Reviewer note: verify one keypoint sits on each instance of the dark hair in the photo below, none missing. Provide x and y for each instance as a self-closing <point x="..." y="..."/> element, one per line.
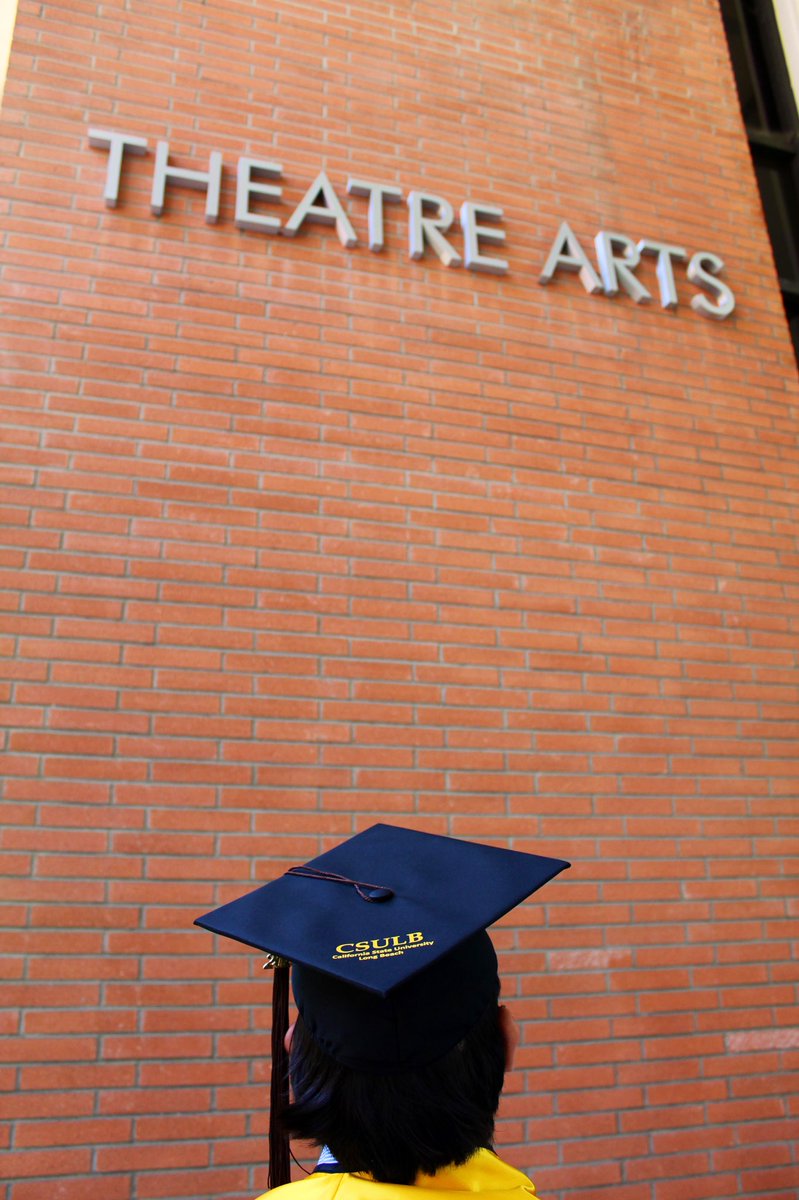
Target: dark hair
<point x="394" y="1126"/>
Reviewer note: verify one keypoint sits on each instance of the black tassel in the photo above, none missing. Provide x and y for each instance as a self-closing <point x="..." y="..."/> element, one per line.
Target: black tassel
<point x="279" y="1161"/>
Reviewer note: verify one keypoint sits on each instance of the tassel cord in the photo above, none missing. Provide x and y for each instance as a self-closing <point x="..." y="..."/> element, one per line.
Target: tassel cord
<point x="279" y="1149"/>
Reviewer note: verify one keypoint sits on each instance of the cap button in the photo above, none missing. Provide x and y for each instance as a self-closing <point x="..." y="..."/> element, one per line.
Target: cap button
<point x="377" y="894"/>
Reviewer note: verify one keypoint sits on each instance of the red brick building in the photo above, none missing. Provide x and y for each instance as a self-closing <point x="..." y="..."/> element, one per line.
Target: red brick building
<point x="298" y="535"/>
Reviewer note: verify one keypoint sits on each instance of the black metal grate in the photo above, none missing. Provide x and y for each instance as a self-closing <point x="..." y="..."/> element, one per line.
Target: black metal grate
<point x="772" y="125"/>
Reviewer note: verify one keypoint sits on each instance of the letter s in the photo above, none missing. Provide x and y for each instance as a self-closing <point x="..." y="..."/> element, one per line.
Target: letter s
<point x="702" y="270"/>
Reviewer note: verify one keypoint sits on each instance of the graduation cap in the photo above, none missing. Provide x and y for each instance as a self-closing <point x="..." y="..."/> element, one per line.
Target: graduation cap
<point x="392" y="965"/>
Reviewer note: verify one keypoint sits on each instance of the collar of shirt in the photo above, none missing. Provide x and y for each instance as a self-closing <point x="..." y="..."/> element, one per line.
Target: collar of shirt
<point x="328" y="1163"/>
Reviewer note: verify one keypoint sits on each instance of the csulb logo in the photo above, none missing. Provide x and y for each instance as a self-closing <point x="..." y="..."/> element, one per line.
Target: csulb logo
<point x="385" y="947"/>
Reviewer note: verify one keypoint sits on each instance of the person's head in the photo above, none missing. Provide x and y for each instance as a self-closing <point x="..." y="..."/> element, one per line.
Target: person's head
<point x="400" y="1054"/>
<point x="407" y="1099"/>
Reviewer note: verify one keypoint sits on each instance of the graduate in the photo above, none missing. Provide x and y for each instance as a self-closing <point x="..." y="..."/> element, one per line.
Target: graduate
<point x="397" y="1057"/>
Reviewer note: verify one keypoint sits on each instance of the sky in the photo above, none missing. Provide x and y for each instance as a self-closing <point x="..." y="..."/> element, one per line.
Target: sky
<point x="8" y="10"/>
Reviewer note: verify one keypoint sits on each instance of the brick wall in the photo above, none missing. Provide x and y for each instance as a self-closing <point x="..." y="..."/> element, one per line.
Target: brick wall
<point x="296" y="536"/>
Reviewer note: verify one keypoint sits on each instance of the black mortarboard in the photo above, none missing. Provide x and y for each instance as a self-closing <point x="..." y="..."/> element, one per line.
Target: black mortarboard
<point x="386" y="933"/>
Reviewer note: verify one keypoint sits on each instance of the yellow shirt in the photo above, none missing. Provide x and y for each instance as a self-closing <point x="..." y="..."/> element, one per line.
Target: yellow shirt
<point x="484" y="1173"/>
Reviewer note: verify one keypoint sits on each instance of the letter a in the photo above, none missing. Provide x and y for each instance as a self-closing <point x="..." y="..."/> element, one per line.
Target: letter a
<point x="329" y="213"/>
<point x="567" y="253"/>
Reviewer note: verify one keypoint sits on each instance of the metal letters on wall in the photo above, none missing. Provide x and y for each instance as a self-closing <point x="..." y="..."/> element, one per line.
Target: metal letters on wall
<point x="430" y="219"/>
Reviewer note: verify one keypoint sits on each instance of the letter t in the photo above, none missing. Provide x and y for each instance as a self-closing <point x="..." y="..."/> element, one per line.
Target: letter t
<point x="117" y="144"/>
